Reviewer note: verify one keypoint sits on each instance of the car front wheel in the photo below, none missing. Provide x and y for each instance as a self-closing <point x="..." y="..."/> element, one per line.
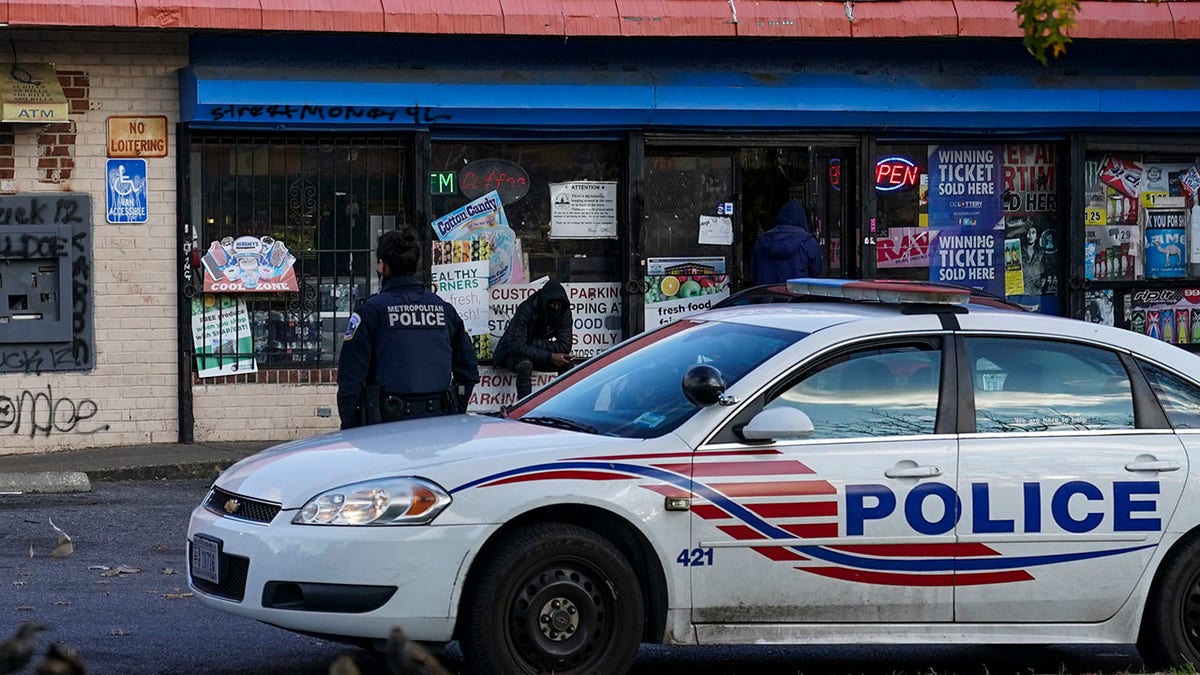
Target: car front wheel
<point x="1170" y="634"/>
<point x="553" y="598"/>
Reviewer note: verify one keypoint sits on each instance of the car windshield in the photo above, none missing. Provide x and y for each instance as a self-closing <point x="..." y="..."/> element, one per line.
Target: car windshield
<point x="636" y="390"/>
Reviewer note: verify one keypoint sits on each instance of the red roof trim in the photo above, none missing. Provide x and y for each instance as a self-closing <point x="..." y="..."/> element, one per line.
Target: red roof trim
<point x="1186" y="19"/>
<point x="199" y="14"/>
<point x="341" y="16"/>
<point x="466" y="17"/>
<point x="786" y="18"/>
<point x="633" y="18"/>
<point x="987" y="18"/>
<point x="100" y="13"/>
<point x="670" y="18"/>
<point x="1141" y="21"/>
<point x="912" y="18"/>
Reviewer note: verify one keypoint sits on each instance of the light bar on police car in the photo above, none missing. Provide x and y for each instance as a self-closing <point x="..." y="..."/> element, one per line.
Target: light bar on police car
<point x="880" y="291"/>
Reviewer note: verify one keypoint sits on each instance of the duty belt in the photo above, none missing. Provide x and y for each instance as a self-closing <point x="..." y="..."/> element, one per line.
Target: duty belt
<point x="399" y="406"/>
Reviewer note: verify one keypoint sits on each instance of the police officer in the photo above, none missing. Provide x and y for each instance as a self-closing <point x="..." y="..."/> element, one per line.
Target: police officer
<point x="406" y="353"/>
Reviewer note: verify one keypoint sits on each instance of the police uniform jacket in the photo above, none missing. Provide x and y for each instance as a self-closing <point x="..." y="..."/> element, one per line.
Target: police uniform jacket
<point x="408" y="341"/>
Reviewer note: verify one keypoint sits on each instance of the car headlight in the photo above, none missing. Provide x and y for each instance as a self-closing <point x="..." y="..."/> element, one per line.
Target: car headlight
<point x="387" y="501"/>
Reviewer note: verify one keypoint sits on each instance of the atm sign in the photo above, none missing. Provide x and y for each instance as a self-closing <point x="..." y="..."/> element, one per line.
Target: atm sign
<point x="896" y="173"/>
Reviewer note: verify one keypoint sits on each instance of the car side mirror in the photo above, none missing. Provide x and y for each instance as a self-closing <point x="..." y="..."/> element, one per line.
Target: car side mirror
<point x="703" y="385"/>
<point x="775" y="423"/>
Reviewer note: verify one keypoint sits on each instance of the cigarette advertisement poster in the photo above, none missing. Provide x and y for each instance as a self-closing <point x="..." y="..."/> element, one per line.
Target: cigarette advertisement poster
<point x="483" y="218"/>
<point x="1166" y="243"/>
<point x="677" y="287"/>
<point x="221" y="336"/>
<point x="904" y="247"/>
<point x="583" y="209"/>
<point x="248" y="265"/>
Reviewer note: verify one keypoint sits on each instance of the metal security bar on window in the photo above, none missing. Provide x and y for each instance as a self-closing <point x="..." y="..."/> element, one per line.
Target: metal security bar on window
<point x="322" y="200"/>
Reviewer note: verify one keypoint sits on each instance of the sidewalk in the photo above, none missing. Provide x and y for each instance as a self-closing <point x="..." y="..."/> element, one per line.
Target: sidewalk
<point x="73" y="470"/>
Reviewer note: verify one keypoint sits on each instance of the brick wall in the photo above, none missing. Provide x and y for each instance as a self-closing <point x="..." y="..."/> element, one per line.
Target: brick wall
<point x="131" y="396"/>
<point x="263" y="412"/>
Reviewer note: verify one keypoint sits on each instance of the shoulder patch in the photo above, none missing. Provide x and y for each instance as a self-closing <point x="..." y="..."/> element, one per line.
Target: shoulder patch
<point x="355" y="319"/>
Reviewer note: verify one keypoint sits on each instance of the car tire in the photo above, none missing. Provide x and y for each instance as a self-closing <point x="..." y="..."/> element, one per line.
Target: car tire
<point x="553" y="598"/>
<point x="1170" y="633"/>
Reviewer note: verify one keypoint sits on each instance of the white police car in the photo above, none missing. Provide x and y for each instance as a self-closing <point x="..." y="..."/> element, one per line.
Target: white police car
<point x="890" y="465"/>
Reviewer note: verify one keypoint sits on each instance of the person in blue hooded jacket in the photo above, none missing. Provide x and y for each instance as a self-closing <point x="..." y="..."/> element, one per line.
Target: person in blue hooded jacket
<point x="788" y="250"/>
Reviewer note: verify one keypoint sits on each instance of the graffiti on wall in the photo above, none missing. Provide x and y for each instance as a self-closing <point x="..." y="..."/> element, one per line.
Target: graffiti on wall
<point x="41" y="412"/>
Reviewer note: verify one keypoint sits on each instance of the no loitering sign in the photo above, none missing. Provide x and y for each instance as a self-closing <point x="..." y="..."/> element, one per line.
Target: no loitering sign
<point x="132" y="136"/>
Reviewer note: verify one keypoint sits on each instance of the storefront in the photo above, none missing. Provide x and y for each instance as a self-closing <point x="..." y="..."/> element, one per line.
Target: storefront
<point x="641" y="181"/>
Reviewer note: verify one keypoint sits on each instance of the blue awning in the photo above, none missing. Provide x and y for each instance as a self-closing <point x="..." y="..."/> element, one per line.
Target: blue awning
<point x="576" y="99"/>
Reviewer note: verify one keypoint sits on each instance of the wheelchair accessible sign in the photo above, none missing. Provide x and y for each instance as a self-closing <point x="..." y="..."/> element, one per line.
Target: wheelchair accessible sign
<point x="126" y="191"/>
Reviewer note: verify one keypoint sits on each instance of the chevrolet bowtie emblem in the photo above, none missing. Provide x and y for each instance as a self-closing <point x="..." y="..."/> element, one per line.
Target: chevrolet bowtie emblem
<point x="232" y="505"/>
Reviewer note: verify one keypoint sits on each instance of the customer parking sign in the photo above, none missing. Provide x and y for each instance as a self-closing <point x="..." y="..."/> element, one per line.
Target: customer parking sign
<point x="126" y="191"/>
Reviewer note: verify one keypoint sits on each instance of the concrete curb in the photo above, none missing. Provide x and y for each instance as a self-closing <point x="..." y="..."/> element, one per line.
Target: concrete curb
<point x="206" y="470"/>
<point x="44" y="482"/>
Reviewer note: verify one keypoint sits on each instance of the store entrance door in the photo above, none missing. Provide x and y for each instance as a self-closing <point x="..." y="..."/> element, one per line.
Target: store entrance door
<point x="689" y="250"/>
<point x="704" y="207"/>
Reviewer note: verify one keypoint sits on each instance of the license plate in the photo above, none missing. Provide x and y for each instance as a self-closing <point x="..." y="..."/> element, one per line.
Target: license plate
<point x="206" y="557"/>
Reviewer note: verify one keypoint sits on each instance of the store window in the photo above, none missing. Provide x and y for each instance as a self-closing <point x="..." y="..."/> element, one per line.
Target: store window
<point x="981" y="215"/>
<point x="506" y="217"/>
<point x="285" y="232"/>
<point x="1140" y="210"/>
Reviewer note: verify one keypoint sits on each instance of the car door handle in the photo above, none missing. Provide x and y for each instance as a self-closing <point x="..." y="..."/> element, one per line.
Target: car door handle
<point x="913" y="472"/>
<point x="1153" y="465"/>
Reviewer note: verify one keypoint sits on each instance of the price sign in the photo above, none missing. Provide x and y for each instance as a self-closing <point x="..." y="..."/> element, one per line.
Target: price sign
<point x="1151" y="198"/>
<point x="1095" y="216"/>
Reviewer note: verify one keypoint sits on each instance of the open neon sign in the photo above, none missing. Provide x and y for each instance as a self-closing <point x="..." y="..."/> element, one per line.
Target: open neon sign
<point x="896" y="173"/>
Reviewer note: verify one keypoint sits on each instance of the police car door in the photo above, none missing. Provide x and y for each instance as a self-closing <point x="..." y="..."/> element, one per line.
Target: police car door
<point x="851" y="524"/>
<point x="1064" y="490"/>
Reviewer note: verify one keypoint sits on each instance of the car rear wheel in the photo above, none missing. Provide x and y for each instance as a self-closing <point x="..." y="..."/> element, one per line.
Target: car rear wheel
<point x="553" y="598"/>
<point x="1170" y="635"/>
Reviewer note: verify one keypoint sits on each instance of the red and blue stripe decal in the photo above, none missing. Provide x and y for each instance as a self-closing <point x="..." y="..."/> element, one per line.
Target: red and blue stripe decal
<point x="724" y="478"/>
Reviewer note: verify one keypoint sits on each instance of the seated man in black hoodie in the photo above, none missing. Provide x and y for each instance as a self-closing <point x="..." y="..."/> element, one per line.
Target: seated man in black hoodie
<point x="538" y="337"/>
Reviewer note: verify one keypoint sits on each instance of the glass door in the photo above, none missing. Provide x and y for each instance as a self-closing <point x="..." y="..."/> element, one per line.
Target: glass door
<point x="689" y="216"/>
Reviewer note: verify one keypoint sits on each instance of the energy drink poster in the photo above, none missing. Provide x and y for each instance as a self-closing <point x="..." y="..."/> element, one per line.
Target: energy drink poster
<point x="1171" y="314"/>
<point x="677" y="287"/>
<point x="221" y="336"/>
<point x="248" y="265"/>
<point x="966" y="208"/>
